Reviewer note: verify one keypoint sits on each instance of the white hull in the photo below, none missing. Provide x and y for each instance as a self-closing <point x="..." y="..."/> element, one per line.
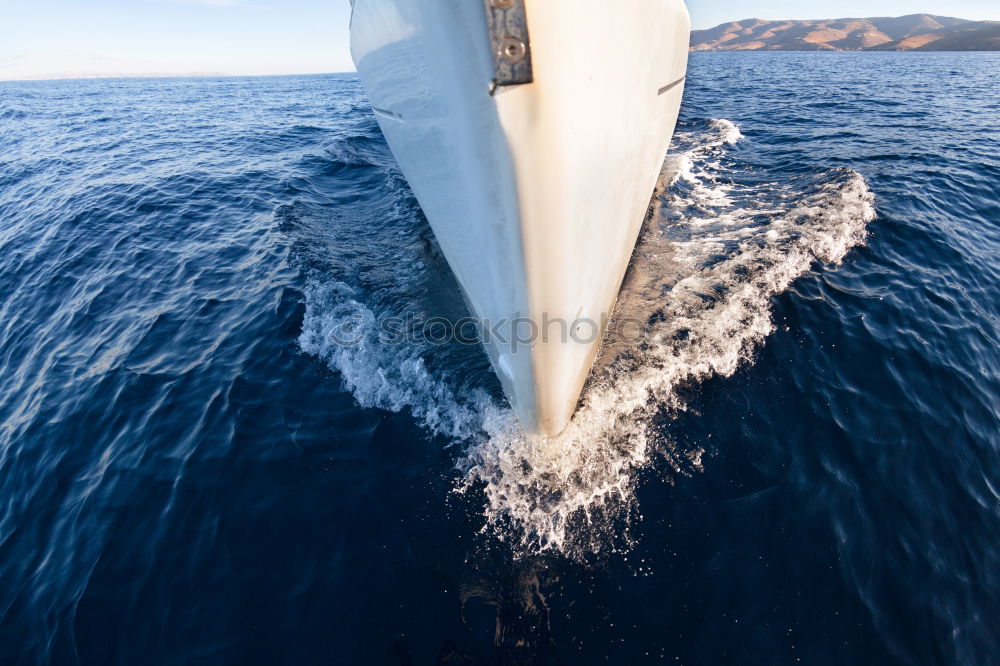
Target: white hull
<point x="535" y="193"/>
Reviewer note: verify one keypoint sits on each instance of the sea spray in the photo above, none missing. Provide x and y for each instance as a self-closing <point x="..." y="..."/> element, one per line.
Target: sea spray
<point x="712" y="256"/>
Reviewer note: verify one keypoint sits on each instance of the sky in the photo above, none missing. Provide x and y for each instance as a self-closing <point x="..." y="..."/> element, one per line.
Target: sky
<point x="67" y="38"/>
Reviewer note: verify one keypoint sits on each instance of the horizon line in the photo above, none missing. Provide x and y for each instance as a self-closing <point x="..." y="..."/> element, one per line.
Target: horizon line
<point x="220" y="75"/>
<point x="156" y="75"/>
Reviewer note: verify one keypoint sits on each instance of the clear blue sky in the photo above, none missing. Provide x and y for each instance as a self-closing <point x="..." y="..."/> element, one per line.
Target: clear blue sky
<point x="78" y="37"/>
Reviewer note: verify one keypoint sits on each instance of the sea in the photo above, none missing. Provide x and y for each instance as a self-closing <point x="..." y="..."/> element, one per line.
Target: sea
<point x="796" y="460"/>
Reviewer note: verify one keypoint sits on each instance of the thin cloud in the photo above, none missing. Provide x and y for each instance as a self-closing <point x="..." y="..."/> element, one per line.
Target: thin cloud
<point x="10" y="61"/>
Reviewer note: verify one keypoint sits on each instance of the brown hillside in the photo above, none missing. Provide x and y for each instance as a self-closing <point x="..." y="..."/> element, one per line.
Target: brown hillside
<point x="922" y="32"/>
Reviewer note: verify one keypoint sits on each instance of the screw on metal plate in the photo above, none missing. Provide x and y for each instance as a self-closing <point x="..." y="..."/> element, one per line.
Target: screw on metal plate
<point x="507" y="23"/>
<point x="513" y="50"/>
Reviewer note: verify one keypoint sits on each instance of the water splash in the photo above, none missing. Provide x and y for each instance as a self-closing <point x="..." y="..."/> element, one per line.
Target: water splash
<point x="390" y="377"/>
<point x="713" y="255"/>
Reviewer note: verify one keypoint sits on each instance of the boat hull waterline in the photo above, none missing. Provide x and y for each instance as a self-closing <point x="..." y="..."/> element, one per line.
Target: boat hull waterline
<point x="536" y="192"/>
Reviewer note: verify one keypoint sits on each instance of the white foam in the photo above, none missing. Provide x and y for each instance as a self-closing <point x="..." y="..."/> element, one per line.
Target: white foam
<point x="344" y="333"/>
<point x="710" y="263"/>
<point x="729" y="133"/>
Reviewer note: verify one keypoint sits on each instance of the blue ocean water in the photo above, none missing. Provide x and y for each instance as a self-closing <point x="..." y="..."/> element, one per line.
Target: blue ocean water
<point x="799" y="461"/>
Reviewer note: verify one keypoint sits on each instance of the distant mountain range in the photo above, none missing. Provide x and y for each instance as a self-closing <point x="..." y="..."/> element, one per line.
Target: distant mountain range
<point x="917" y="32"/>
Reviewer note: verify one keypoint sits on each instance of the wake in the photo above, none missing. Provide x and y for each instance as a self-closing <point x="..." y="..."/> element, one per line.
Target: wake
<point x="712" y="256"/>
